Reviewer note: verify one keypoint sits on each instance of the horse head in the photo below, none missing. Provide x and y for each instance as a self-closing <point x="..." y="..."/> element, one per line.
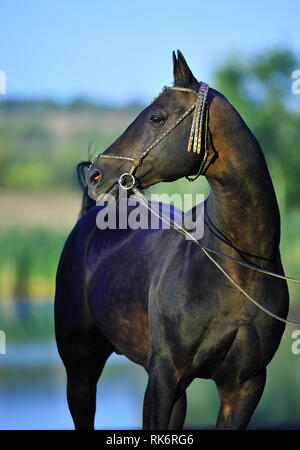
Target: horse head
<point x="153" y="147"/>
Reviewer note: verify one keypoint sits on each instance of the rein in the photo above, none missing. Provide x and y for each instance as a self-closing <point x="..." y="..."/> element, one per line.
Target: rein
<point x="207" y="252"/>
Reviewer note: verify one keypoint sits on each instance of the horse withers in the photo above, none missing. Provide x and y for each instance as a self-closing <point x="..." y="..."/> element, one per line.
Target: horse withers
<point x="152" y="295"/>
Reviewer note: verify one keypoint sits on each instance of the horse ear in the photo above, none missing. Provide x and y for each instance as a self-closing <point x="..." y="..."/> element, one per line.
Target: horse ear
<point x="183" y="76"/>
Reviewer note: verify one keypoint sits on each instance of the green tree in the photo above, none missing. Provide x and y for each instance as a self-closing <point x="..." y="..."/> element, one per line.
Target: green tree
<point x="259" y="87"/>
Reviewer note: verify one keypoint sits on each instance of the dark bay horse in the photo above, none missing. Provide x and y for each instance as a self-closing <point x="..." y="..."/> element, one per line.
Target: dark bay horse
<point x="153" y="296"/>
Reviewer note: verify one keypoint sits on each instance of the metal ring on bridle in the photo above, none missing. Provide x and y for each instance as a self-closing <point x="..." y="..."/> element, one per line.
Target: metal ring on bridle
<point x="126" y="187"/>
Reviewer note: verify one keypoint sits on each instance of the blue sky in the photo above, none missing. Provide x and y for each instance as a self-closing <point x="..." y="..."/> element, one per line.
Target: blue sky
<point x="121" y="50"/>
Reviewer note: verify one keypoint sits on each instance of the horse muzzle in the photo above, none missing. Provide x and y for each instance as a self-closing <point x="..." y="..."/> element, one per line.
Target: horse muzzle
<point x="95" y="183"/>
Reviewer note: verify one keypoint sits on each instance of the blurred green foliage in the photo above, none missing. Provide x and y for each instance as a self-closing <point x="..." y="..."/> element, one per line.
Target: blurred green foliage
<point x="260" y="89"/>
<point x="41" y="143"/>
<point x="28" y="260"/>
<point x="40" y="246"/>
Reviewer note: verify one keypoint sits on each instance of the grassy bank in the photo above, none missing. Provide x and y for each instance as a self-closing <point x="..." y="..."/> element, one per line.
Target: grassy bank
<point x="28" y="261"/>
<point x="30" y="253"/>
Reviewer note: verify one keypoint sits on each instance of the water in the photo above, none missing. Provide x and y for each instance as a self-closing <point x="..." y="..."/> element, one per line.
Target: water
<point x="33" y="383"/>
<point x="33" y="397"/>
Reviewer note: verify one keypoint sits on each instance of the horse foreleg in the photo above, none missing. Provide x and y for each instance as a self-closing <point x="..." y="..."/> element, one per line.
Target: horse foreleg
<point x="239" y="402"/>
<point x="178" y="413"/>
<point x="160" y="394"/>
<point x="84" y="359"/>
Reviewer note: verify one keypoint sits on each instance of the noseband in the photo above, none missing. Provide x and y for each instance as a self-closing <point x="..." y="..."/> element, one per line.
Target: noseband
<point x="200" y="119"/>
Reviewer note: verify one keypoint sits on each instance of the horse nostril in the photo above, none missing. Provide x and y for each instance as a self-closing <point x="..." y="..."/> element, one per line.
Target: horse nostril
<point x="94" y="176"/>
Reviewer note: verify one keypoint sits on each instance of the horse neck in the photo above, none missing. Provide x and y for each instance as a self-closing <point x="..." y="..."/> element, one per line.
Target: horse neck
<point x="242" y="205"/>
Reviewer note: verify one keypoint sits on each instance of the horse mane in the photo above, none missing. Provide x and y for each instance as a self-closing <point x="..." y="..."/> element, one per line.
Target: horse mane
<point x="87" y="203"/>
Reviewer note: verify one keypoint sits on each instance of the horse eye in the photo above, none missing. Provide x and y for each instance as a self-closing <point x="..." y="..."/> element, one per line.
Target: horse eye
<point x="157" y="119"/>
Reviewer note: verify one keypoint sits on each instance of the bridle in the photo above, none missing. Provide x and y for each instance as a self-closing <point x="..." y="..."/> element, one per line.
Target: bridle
<point x="200" y="121"/>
